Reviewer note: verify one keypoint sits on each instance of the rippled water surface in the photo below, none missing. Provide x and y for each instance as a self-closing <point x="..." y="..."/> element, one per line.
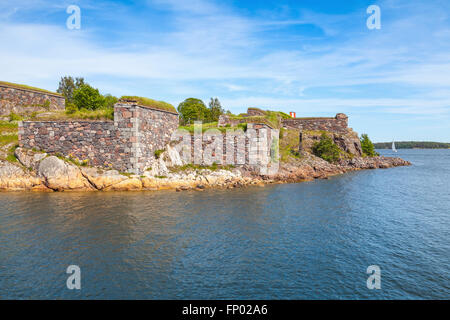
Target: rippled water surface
<point x="295" y="241"/>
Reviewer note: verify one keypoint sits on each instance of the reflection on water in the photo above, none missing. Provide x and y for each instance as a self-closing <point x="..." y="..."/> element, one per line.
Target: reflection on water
<point x="309" y="240"/>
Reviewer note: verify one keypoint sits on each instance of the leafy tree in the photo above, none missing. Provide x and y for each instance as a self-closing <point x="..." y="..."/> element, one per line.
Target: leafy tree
<point x="215" y="109"/>
<point x="367" y="146"/>
<point x="67" y="85"/>
<point x="87" y="97"/>
<point x="109" y="101"/>
<point x="326" y="149"/>
<point x="193" y="109"/>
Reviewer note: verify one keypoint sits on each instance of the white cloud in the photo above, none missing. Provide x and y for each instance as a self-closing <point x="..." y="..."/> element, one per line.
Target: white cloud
<point x="212" y="45"/>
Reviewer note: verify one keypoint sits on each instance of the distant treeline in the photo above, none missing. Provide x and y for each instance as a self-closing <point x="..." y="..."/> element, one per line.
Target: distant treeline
<point x="412" y="145"/>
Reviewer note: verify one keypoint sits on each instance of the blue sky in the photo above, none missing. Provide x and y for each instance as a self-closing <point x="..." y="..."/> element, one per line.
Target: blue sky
<point x="317" y="57"/>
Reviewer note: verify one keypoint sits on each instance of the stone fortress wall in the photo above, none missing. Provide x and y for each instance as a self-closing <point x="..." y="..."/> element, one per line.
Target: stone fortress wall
<point x="338" y="124"/>
<point x="26" y="101"/>
<point x="126" y="144"/>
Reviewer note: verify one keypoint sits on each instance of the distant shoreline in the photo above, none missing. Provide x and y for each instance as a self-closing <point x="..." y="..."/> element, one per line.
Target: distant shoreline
<point x="413" y="145"/>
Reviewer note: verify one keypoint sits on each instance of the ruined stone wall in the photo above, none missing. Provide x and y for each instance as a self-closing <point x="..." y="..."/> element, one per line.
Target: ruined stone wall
<point x="337" y="124"/>
<point x="25" y="101"/>
<point x="126" y="144"/>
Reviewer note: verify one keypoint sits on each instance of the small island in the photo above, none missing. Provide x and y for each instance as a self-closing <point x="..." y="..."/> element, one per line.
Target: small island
<point x="79" y="140"/>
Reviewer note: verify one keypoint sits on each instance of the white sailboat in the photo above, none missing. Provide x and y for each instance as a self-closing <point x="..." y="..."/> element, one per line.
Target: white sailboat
<point x="393" y="146"/>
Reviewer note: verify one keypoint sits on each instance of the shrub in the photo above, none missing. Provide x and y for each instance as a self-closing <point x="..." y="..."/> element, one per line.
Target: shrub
<point x="71" y="108"/>
<point x="14" y="117"/>
<point x="109" y="101"/>
<point x="46" y="105"/>
<point x="11" y="157"/>
<point x="367" y="146"/>
<point x="158" y="153"/>
<point x="88" y="97"/>
<point x="326" y="149"/>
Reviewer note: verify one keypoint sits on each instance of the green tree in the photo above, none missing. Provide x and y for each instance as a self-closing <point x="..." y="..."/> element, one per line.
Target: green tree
<point x="367" y="146"/>
<point x="193" y="109"/>
<point x="109" y="101"/>
<point x="326" y="149"/>
<point x="87" y="97"/>
<point x="215" y="110"/>
<point x="67" y="85"/>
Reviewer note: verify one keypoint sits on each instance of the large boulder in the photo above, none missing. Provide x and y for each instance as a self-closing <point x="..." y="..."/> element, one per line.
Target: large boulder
<point x="59" y="175"/>
<point x="13" y="177"/>
<point x="29" y="158"/>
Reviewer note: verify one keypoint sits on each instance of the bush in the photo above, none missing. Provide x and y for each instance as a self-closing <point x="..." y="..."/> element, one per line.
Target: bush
<point x="71" y="108"/>
<point x="88" y="97"/>
<point x="326" y="149"/>
<point x="14" y="117"/>
<point x="367" y="146"/>
<point x="158" y="153"/>
<point x="109" y="101"/>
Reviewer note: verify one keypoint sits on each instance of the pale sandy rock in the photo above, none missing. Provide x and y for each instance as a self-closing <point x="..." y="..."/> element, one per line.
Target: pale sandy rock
<point x="59" y="175"/>
<point x="126" y="185"/>
<point x="13" y="177"/>
<point x="102" y="179"/>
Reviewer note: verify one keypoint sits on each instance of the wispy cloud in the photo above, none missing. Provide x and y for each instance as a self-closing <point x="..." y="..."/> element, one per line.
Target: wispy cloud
<point x="213" y="49"/>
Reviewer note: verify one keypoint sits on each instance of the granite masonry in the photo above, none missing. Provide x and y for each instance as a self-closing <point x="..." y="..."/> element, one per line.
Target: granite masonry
<point x="338" y="124"/>
<point x="256" y="147"/>
<point x="26" y="101"/>
<point x="127" y="144"/>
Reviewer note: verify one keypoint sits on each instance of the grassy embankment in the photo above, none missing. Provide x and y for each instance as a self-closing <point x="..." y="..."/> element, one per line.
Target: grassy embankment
<point x="8" y="140"/>
<point x="26" y="87"/>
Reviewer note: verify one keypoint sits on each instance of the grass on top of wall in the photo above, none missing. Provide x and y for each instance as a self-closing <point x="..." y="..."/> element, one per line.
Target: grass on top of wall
<point x="83" y="114"/>
<point x="8" y="126"/>
<point x="7" y="139"/>
<point x="26" y="87"/>
<point x="213" y="125"/>
<point x="147" y="102"/>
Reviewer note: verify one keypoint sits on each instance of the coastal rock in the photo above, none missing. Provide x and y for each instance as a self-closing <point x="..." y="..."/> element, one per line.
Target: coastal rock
<point x="172" y="157"/>
<point x="158" y="168"/>
<point x="29" y="158"/>
<point x="373" y="163"/>
<point x="129" y="184"/>
<point x="59" y="175"/>
<point x="102" y="179"/>
<point x="13" y="177"/>
<point x="348" y="141"/>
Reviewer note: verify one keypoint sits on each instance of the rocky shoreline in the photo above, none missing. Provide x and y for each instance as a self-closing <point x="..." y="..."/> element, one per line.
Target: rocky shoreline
<point x="36" y="171"/>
